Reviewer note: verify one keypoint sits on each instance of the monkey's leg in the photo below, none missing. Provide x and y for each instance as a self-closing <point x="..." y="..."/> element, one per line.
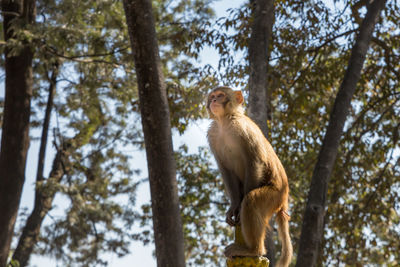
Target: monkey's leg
<point x="257" y="208"/>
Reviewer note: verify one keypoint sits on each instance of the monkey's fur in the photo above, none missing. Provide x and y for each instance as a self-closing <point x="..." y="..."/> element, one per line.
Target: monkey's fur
<point x="254" y="177"/>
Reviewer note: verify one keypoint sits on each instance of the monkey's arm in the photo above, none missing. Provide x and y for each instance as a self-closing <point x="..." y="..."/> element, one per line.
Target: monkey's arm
<point x="255" y="147"/>
<point x="234" y="190"/>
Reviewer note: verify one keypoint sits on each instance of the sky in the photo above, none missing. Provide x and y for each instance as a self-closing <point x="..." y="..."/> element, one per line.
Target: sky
<point x="194" y="137"/>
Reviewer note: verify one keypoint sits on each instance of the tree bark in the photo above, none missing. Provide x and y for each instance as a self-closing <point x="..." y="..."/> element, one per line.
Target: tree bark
<point x="261" y="30"/>
<point x="43" y="201"/>
<point x="312" y="228"/>
<point x="15" y="131"/>
<point x="154" y="109"/>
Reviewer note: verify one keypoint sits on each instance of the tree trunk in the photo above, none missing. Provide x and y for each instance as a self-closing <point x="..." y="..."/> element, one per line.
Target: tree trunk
<point x="312" y="229"/>
<point x="261" y="30"/>
<point x="43" y="201"/>
<point x="154" y="109"/>
<point x="15" y="131"/>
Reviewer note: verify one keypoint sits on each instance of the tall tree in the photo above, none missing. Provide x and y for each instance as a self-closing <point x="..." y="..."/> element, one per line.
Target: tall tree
<point x="43" y="200"/>
<point x="313" y="222"/>
<point x="18" y="15"/>
<point x="261" y="30"/>
<point x="157" y="133"/>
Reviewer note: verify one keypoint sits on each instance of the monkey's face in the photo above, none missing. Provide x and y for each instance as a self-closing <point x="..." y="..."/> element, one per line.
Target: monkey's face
<point x="216" y="102"/>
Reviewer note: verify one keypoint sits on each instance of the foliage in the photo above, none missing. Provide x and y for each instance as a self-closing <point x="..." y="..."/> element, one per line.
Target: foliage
<point x="96" y="110"/>
<point x="203" y="205"/>
<point x="308" y="54"/>
<point x="97" y="106"/>
<point x="203" y="208"/>
<point x="179" y="25"/>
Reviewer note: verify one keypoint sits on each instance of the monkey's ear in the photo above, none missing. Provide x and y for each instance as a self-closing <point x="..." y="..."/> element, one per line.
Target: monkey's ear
<point x="239" y="97"/>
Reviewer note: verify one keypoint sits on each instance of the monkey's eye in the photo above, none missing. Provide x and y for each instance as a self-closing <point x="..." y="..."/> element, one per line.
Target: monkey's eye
<point x="216" y="97"/>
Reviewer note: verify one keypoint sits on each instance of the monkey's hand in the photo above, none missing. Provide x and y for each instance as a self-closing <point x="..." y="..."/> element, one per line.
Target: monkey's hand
<point x="233" y="215"/>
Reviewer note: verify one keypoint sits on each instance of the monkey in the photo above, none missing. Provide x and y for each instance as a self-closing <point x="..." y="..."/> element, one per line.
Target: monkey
<point x="254" y="177"/>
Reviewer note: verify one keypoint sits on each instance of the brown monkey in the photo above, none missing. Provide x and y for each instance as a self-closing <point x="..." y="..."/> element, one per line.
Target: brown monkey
<point x="254" y="177"/>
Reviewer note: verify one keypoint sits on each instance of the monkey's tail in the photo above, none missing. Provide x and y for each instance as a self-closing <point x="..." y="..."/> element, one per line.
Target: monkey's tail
<point x="282" y="218"/>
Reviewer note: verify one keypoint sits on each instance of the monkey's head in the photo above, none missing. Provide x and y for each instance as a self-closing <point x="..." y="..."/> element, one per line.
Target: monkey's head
<point x="223" y="101"/>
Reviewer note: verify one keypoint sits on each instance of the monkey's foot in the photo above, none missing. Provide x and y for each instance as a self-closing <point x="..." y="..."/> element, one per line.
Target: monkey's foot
<point x="239" y="250"/>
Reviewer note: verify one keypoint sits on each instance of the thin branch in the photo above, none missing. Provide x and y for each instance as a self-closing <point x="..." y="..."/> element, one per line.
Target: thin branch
<point x="319" y="47"/>
<point x="387" y="52"/>
<point x="43" y="143"/>
<point x="316" y="49"/>
<point x="77" y="58"/>
<point x="117" y="50"/>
